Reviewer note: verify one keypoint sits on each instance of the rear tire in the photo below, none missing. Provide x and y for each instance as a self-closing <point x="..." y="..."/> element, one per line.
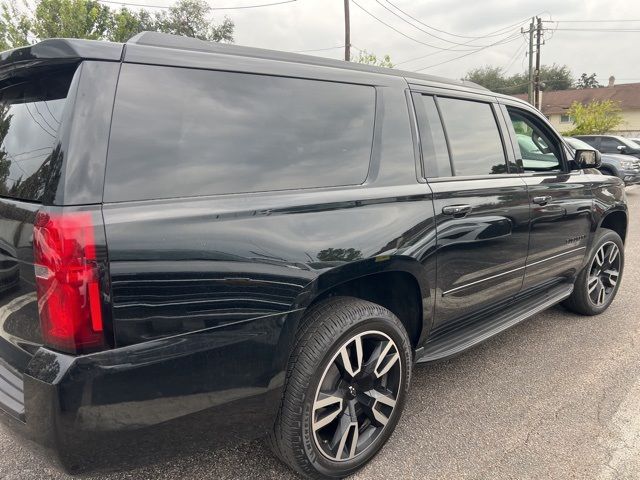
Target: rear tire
<point x="345" y="389"/>
<point x="598" y="283"/>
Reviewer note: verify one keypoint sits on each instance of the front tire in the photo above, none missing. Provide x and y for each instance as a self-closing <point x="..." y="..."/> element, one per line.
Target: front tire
<point x="598" y="283"/>
<point x="346" y="386"/>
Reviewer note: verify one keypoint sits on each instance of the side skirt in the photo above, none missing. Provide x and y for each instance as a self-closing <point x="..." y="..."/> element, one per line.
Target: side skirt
<point x="455" y="341"/>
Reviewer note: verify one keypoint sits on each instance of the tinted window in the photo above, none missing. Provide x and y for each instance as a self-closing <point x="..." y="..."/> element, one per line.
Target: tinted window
<point x="474" y="138"/>
<point x="30" y="114"/>
<point x="180" y="132"/>
<point x="590" y="140"/>
<point x="538" y="150"/>
<point x="434" y="145"/>
<point x="609" y="145"/>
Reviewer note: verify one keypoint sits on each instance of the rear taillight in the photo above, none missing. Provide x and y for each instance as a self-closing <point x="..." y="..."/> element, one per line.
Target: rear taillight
<point x="68" y="281"/>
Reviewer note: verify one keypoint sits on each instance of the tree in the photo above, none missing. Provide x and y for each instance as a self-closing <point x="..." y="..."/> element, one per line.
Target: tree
<point x="14" y="27"/>
<point x="587" y="81"/>
<point x="489" y="77"/>
<point x="371" y="59"/>
<point x="189" y="18"/>
<point x="595" y="118"/>
<point x="554" y="77"/>
<point x="93" y="20"/>
<point x="126" y="23"/>
<point x="71" y="19"/>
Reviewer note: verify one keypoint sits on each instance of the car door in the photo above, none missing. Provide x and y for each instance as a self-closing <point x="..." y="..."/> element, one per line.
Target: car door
<point x="610" y="145"/>
<point x="481" y="207"/>
<point x="560" y="199"/>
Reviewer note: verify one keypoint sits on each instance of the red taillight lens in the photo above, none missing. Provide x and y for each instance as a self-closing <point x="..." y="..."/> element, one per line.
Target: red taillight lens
<point x="68" y="282"/>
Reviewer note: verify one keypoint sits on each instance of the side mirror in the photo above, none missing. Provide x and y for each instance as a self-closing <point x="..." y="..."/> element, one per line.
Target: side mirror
<point x="587" y="159"/>
<point x="621" y="148"/>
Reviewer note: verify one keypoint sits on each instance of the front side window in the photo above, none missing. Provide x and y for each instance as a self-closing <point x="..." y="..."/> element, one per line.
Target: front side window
<point x="474" y="138"/>
<point x="538" y="151"/>
<point x="609" y="144"/>
<point x="180" y="132"/>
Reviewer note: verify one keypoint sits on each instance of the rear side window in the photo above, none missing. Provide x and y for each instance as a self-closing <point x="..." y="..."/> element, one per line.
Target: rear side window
<point x="30" y="114"/>
<point x="474" y="138"/>
<point x="182" y="132"/>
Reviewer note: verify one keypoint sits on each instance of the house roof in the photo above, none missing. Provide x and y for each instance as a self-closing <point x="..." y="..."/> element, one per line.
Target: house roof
<point x="558" y="102"/>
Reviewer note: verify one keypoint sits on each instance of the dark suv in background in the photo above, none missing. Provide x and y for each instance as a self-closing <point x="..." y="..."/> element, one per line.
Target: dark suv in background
<point x="625" y="167"/>
<point x="202" y="241"/>
<point x="612" y="144"/>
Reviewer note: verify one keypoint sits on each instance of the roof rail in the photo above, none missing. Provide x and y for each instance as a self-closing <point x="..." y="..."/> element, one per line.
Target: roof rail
<point x="166" y="40"/>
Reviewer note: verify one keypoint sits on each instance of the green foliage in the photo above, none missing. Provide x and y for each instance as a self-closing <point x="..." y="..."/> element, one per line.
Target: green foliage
<point x="595" y="118"/>
<point x="489" y="77"/>
<point x="554" y="77"/>
<point x="126" y="23"/>
<point x="21" y="25"/>
<point x="71" y="19"/>
<point x="14" y="26"/>
<point x="587" y="81"/>
<point x="371" y="59"/>
<point x="189" y="18"/>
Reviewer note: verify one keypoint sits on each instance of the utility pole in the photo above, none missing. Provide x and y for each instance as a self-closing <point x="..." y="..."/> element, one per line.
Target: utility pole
<point x="530" y="96"/>
<point x="347" y="32"/>
<point x="538" y="102"/>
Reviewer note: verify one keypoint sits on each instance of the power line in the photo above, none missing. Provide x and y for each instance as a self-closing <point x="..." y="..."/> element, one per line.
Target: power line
<point x="611" y="30"/>
<point x="318" y="49"/>
<point x="422" y="29"/>
<point x="212" y="8"/>
<point x="519" y="51"/>
<point x="596" y="21"/>
<point x="394" y="28"/>
<point x="507" y="40"/>
<point x="492" y="34"/>
<point x="452" y="48"/>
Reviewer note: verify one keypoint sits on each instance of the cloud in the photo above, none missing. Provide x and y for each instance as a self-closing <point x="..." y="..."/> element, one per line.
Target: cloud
<point x="316" y="24"/>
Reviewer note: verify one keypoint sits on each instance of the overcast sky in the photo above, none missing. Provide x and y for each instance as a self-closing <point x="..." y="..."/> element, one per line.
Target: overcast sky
<point x="318" y="24"/>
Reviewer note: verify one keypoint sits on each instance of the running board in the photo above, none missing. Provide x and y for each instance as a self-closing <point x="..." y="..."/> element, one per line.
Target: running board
<point x="456" y="341"/>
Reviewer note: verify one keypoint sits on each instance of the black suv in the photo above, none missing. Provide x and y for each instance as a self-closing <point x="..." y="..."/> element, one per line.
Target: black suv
<point x="204" y="241"/>
<point x="612" y="144"/>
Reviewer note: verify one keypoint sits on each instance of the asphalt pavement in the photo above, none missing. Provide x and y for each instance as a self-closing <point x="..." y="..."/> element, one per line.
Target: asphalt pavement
<point x="556" y="397"/>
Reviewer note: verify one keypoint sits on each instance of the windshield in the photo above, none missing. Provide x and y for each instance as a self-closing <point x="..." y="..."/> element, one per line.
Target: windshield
<point x="629" y="143"/>
<point x="578" y="144"/>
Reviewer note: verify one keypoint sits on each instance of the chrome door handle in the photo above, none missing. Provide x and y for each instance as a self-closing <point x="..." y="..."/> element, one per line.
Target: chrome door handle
<point x="456" y="210"/>
<point x="543" y="200"/>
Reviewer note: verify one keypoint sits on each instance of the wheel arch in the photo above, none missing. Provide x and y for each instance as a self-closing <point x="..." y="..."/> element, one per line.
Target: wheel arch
<point x="411" y="300"/>
<point x="616" y="220"/>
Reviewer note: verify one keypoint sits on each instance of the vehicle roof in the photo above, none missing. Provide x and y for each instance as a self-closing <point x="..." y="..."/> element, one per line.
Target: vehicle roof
<point x="60" y="49"/>
<point x="599" y="135"/>
<point x="165" y="40"/>
<point x="63" y="49"/>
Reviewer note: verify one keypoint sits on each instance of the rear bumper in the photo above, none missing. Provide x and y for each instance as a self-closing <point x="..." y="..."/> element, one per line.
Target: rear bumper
<point x="143" y="403"/>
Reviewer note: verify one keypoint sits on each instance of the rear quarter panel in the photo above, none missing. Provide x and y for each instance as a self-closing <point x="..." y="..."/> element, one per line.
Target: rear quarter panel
<point x="232" y="274"/>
